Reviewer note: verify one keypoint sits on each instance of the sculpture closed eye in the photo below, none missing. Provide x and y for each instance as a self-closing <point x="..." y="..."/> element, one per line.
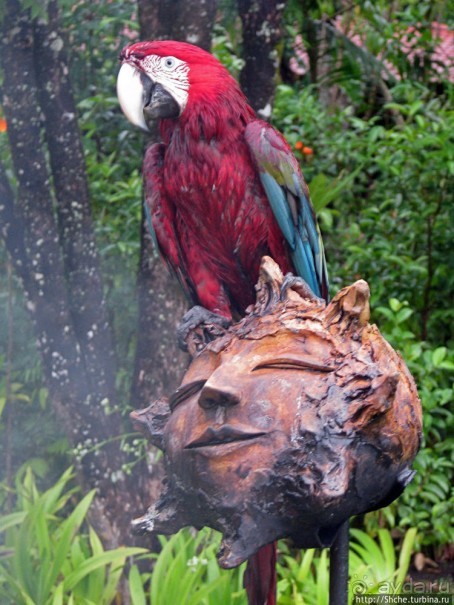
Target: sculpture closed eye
<point x="292" y="364"/>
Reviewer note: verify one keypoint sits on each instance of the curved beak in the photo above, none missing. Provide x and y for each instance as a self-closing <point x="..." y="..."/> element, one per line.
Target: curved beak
<point x="130" y="94"/>
<point x="142" y="100"/>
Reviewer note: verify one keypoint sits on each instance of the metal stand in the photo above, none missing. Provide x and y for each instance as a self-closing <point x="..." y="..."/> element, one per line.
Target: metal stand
<point x="338" y="571"/>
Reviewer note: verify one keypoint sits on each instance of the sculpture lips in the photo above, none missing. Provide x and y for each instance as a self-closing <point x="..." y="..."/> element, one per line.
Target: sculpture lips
<point x="223" y="435"/>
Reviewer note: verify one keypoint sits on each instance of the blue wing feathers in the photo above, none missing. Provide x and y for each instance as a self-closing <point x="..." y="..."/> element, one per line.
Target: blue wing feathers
<point x="280" y="207"/>
<point x="308" y="232"/>
<point x="303" y="260"/>
<point x="288" y="196"/>
<point x="302" y="236"/>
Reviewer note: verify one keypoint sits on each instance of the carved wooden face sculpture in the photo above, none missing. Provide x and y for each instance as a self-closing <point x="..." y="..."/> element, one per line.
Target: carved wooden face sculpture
<point x="297" y="418"/>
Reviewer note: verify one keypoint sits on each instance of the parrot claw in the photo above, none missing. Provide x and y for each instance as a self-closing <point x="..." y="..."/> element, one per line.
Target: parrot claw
<point x="300" y="286"/>
<point x="199" y="327"/>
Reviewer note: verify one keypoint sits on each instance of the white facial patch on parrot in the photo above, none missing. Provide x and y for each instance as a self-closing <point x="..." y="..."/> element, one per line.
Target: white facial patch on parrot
<point x="171" y="73"/>
<point x="130" y="95"/>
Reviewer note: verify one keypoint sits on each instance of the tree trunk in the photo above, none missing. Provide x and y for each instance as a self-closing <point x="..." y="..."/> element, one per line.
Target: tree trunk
<point x="80" y="255"/>
<point x="159" y="363"/>
<point x="178" y="20"/>
<point x="261" y="21"/>
<point x="55" y="256"/>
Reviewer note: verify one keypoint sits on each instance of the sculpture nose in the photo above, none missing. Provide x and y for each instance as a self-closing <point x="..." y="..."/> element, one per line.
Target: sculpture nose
<point x="213" y="397"/>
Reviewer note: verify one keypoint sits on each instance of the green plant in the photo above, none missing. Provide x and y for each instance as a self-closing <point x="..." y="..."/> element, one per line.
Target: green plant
<point x="186" y="571"/>
<point x="428" y="502"/>
<point x="375" y="567"/>
<point x="47" y="559"/>
<point x="304" y="578"/>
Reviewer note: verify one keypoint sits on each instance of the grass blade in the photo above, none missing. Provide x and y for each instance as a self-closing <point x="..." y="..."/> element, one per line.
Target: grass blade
<point x="405" y="556"/>
<point x="93" y="563"/>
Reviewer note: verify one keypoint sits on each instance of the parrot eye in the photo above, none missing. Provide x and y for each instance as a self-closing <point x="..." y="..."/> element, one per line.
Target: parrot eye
<point x="169" y="62"/>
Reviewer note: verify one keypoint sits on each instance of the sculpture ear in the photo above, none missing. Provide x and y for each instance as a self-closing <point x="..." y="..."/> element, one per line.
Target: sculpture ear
<point x="151" y="421"/>
<point x="166" y="516"/>
<point x="349" y="309"/>
<point x="368" y="402"/>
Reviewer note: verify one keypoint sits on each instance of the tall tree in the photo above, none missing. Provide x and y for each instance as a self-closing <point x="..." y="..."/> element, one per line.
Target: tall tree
<point x="178" y="20"/>
<point x="47" y="229"/>
<point x="261" y="22"/>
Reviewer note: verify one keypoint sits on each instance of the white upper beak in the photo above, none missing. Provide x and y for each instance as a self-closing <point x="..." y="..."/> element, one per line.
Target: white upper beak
<point x="130" y="95"/>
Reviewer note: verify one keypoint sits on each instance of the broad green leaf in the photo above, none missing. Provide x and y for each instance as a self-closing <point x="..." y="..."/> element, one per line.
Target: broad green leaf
<point x="305" y="566"/>
<point x="101" y="560"/>
<point x="323" y="579"/>
<point x="387" y="548"/>
<point x="7" y="521"/>
<point x="58" y="595"/>
<point x="405" y="555"/>
<point x="439" y="355"/>
<point x="136" y="587"/>
<point x="395" y="304"/>
<point x="68" y="528"/>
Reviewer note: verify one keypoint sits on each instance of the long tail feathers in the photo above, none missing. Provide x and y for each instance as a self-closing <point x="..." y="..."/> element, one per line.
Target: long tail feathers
<point x="260" y="576"/>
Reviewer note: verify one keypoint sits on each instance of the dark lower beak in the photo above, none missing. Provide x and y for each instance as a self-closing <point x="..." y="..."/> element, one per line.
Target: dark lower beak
<point x="158" y="103"/>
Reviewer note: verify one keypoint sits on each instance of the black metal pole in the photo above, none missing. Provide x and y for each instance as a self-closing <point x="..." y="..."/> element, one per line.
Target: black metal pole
<point x="338" y="568"/>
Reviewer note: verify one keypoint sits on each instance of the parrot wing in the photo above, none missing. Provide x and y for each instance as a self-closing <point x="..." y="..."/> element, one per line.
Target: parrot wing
<point x="160" y="217"/>
<point x="289" y="199"/>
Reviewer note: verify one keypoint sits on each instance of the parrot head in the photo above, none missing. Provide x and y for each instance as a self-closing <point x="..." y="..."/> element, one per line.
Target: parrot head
<point x="161" y="79"/>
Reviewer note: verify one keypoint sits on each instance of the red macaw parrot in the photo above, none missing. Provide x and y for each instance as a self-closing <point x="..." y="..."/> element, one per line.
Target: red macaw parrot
<point x="222" y="190"/>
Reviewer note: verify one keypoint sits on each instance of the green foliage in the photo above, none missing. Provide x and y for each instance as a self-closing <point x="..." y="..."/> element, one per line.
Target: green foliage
<point x="186" y="571"/>
<point x="224" y="44"/>
<point x="36" y="7"/>
<point x="45" y="557"/>
<point x="374" y="567"/>
<point x="428" y="502"/>
<point x="304" y="578"/>
<point x="371" y="41"/>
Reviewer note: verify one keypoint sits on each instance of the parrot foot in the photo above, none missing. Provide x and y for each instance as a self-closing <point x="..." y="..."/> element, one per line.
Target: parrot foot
<point x="300" y="286"/>
<point x="199" y="327"/>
